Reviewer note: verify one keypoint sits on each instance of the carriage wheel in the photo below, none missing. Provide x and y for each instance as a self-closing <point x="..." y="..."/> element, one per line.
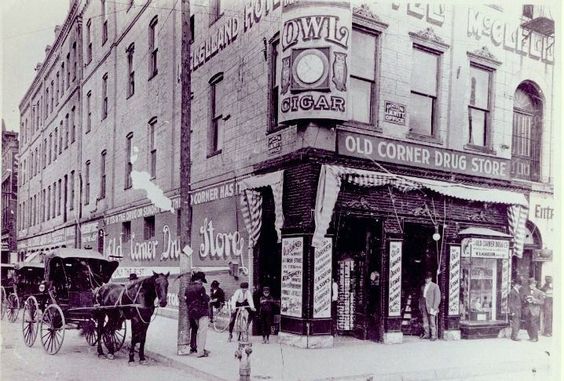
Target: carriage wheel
<point x="117" y="337"/>
<point x="13" y="307"/>
<point x="90" y="333"/>
<point x="52" y="329"/>
<point x="3" y="301"/>
<point x="30" y="321"/>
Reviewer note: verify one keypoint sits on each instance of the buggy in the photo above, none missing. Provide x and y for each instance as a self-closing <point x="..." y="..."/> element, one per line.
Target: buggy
<point x="23" y="280"/>
<point x="72" y="277"/>
<point x="8" y="297"/>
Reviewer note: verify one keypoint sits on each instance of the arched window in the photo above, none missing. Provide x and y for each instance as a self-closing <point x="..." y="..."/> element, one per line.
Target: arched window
<point x="527" y="132"/>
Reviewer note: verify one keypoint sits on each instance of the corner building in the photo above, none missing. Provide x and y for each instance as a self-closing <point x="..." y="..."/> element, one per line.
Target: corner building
<point x="370" y="144"/>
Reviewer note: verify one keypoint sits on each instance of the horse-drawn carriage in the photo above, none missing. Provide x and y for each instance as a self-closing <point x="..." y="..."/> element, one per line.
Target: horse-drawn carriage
<point x="8" y="298"/>
<point x="23" y="281"/>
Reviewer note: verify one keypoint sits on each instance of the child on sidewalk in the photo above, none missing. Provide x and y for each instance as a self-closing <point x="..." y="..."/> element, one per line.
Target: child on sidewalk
<point x="266" y="314"/>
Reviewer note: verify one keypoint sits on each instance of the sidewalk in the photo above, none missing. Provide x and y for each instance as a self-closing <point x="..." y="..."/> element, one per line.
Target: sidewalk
<point x="353" y="359"/>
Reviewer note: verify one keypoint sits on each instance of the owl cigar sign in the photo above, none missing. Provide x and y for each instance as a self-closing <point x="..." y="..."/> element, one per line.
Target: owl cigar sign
<point x="314" y="61"/>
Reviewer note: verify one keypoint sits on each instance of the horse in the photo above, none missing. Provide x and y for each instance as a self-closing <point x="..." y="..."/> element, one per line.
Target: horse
<point x="135" y="302"/>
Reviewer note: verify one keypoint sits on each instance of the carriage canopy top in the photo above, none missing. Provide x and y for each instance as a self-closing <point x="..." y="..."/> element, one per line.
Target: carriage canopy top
<point x="77" y="262"/>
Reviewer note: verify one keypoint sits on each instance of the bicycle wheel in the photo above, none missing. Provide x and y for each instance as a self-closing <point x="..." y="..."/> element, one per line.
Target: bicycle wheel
<point x="221" y="318"/>
<point x="241" y="324"/>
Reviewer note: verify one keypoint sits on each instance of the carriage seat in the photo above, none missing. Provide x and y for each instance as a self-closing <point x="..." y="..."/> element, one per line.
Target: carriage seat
<point x="81" y="298"/>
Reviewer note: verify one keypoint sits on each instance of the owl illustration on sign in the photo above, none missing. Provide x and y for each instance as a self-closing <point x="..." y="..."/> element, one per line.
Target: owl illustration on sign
<point x="285" y="76"/>
<point x="340" y="71"/>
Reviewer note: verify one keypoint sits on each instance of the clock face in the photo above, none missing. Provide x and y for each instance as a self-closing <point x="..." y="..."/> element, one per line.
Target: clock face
<point x="310" y="68"/>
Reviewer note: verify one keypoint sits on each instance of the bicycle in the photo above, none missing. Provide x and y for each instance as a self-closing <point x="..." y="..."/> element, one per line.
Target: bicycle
<point x="221" y="317"/>
<point x="242" y="323"/>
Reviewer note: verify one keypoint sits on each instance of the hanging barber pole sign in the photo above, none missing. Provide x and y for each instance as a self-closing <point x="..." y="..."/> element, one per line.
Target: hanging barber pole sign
<point x="315" y="59"/>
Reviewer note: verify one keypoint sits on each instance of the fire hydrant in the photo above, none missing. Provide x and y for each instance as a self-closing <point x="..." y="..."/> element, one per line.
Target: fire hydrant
<point x="243" y="354"/>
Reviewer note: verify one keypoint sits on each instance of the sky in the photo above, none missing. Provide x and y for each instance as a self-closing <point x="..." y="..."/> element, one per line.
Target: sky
<point x="27" y="26"/>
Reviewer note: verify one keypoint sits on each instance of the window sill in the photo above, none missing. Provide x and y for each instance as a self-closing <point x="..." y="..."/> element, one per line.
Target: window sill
<point x="425" y="138"/>
<point x="481" y="149"/>
<point x="153" y="75"/>
<point x="278" y="128"/>
<point x="215" y="153"/>
<point x="363" y="126"/>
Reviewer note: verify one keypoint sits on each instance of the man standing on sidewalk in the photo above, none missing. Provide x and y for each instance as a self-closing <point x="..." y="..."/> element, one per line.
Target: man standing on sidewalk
<point x="429" y="307"/>
<point x="547" y="308"/>
<point x="534" y="300"/>
<point x="197" y="302"/>
<point x="515" y="309"/>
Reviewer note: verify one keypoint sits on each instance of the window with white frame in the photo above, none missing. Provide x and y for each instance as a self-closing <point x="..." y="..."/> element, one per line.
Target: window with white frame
<point x="479" y="106"/>
<point x="424" y="91"/>
<point x="104" y="96"/>
<point x="215" y="135"/>
<point x="152" y="148"/>
<point x="87" y="183"/>
<point x="130" y="71"/>
<point x="153" y="47"/>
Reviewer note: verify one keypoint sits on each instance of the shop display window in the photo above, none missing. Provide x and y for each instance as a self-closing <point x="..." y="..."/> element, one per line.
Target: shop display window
<point x="480" y="290"/>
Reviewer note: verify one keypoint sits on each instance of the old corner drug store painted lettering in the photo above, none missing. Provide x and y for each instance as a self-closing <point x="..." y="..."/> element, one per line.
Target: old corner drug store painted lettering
<point x="394" y="151"/>
<point x="147" y="250"/>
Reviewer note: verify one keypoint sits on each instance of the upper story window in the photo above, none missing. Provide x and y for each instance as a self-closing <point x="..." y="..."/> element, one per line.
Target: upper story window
<point x="61" y="139"/>
<point x="56" y="138"/>
<point x="128" y="163"/>
<point x="58" y="87"/>
<point x="87" y="183"/>
<point x="528" y="10"/>
<point x="153" y="48"/>
<point x="149" y="228"/>
<point x="130" y="71"/>
<point x="46" y="103"/>
<point x="274" y="83"/>
<point x="67" y="131"/>
<point x="68" y="71"/>
<point x="62" y="78"/>
<point x="73" y="125"/>
<point x="74" y="60"/>
<point x="103" y="174"/>
<point x="52" y="95"/>
<point x="104" y="19"/>
<point x="44" y="153"/>
<point x="50" y="146"/>
<point x="424" y="91"/>
<point x="104" y="96"/>
<point x="89" y="41"/>
<point x="215" y="133"/>
<point x="527" y="132"/>
<point x="479" y="106"/>
<point x="71" y="202"/>
<point x="363" y="74"/>
<point x="216" y="10"/>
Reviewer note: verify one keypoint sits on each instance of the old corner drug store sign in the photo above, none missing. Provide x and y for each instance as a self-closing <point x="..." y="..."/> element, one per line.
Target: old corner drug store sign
<point x="314" y="70"/>
<point x="400" y="152"/>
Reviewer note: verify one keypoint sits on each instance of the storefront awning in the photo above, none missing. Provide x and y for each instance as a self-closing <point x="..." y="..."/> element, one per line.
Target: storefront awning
<point x="475" y="230"/>
<point x="331" y="177"/>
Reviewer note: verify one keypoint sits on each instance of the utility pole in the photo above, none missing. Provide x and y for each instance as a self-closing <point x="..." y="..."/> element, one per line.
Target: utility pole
<point x="183" y="340"/>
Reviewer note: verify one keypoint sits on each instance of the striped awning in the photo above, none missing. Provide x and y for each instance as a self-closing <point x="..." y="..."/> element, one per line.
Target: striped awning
<point x="251" y="203"/>
<point x="331" y="176"/>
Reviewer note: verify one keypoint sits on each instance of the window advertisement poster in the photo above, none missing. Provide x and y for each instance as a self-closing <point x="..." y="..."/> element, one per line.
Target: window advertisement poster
<point x="454" y="282"/>
<point x="485" y="248"/>
<point x="394" y="297"/>
<point x="315" y="43"/>
<point x="322" y="279"/>
<point x="292" y="276"/>
<point x="394" y="113"/>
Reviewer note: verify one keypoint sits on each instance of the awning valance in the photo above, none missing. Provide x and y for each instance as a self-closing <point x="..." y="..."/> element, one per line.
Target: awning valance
<point x="331" y="177"/>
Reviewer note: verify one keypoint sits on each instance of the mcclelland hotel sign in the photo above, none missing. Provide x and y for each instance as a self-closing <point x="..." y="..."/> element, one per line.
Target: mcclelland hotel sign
<point x="399" y="152"/>
<point x="315" y="60"/>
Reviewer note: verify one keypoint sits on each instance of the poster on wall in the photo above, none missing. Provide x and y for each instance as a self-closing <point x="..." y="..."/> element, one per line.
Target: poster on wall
<point x="346" y="301"/>
<point x="454" y="282"/>
<point x="292" y="276"/>
<point x="394" y="297"/>
<point x="315" y="44"/>
<point x="322" y="279"/>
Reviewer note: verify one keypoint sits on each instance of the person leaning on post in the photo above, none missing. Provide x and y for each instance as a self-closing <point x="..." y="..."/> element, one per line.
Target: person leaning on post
<point x="429" y="306"/>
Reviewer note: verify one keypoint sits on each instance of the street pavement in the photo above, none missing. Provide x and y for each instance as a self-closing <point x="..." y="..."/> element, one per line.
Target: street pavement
<point x="350" y="359"/>
<point x="76" y="361"/>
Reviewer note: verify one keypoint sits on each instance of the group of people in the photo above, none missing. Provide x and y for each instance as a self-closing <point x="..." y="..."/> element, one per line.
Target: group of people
<point x="201" y="305"/>
<point x="526" y="302"/>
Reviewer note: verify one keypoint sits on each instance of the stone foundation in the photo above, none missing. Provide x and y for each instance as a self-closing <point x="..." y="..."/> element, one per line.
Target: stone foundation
<point x="301" y="341"/>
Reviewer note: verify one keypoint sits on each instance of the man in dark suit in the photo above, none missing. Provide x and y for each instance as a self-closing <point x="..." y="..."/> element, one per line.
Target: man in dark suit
<point x="429" y="306"/>
<point x="534" y="300"/>
<point x="515" y="309"/>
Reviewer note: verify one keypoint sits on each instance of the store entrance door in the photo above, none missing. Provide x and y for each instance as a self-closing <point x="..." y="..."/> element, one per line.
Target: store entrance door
<point x="419" y="257"/>
<point x="356" y="266"/>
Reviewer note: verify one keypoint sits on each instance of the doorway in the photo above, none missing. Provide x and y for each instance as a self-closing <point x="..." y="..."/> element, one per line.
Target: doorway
<point x="357" y="271"/>
<point x="419" y="257"/>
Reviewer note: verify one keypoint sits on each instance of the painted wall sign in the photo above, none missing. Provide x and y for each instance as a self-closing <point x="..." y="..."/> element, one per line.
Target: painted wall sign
<point x="432" y="13"/>
<point x="322" y="279"/>
<point x="144" y="211"/>
<point x="292" y="276"/>
<point x="314" y="61"/>
<point x="89" y="234"/>
<point x="509" y="36"/>
<point x="274" y="144"/>
<point x="394" y="113"/>
<point x="485" y="248"/>
<point x="400" y="152"/>
<point x="219" y="235"/>
<point x="394" y="295"/>
<point x="454" y="282"/>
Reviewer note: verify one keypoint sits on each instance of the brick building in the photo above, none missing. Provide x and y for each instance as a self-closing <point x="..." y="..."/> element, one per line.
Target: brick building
<point x="10" y="145"/>
<point x="359" y="146"/>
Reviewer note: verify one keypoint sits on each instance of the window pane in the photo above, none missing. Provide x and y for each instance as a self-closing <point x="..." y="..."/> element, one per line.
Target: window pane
<point x="477" y="121"/>
<point x="421" y="114"/>
<point x="360" y="100"/>
<point x="479" y="87"/>
<point x="424" y="72"/>
<point x="363" y="48"/>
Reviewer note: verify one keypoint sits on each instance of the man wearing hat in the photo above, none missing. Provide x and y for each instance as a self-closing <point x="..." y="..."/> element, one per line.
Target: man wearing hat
<point x="197" y="302"/>
<point x="241" y="298"/>
<point x="534" y="300"/>
<point x="133" y="277"/>
<point x="429" y="306"/>
<point x="547" y="308"/>
<point x="514" y="303"/>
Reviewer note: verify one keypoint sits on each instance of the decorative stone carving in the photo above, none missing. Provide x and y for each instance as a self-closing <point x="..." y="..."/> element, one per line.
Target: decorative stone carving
<point x="429" y="35"/>
<point x="362" y="203"/>
<point x="365" y="11"/>
<point x="483" y="55"/>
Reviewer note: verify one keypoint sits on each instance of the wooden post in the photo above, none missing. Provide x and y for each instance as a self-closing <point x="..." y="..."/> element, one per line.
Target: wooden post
<point x="183" y="340"/>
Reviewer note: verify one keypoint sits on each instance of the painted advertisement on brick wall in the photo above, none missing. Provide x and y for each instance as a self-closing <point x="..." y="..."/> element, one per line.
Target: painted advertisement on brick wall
<point x="314" y="62"/>
<point x="219" y="235"/>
